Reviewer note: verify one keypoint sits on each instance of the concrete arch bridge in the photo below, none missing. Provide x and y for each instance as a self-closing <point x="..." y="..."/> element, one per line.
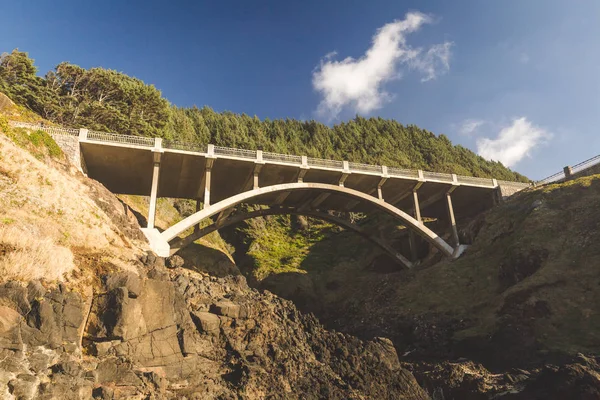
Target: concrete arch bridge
<point x="220" y="178"/>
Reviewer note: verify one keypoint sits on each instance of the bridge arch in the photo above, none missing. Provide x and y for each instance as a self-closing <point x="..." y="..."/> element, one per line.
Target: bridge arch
<point x="395" y="255"/>
<point x="411" y="223"/>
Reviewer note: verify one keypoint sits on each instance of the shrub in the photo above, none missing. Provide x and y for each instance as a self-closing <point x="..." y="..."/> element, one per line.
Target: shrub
<point x="39" y="143"/>
<point x="41" y="138"/>
<point x="3" y="124"/>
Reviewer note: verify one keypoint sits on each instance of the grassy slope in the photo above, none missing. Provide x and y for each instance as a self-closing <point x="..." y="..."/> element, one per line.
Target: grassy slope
<point x="49" y="221"/>
<point x="531" y="276"/>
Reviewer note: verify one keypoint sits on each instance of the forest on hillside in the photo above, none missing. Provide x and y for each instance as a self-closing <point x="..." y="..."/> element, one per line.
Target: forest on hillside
<point x="108" y="100"/>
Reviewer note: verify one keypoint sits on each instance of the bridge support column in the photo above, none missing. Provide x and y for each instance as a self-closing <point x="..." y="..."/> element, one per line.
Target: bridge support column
<point x="157" y="152"/>
<point x="412" y="238"/>
<point x="205" y="182"/>
<point x="451" y="217"/>
<point x="384" y="178"/>
<point x="345" y="173"/>
<point x="198" y="208"/>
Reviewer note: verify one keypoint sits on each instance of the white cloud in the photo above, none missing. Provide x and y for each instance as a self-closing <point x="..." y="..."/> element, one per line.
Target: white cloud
<point x="358" y="83"/>
<point x="470" y="126"/>
<point x="513" y="143"/>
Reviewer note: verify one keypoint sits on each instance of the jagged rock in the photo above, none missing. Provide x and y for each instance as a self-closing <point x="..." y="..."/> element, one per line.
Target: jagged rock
<point x="102" y="348"/>
<point x="127" y="279"/>
<point x="24" y="387"/>
<point x="175" y="261"/>
<point x="35" y="290"/>
<point x="103" y="393"/>
<point x="39" y="362"/>
<point x="10" y="333"/>
<point x="16" y="294"/>
<point x="55" y="320"/>
<point x="226" y="308"/>
<point x="207" y="322"/>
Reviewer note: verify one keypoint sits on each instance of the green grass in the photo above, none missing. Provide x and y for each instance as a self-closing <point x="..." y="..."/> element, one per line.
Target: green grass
<point x="38" y="143"/>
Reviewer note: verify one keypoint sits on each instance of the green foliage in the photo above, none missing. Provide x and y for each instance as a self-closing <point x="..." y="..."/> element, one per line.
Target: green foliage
<point x="277" y="246"/>
<point x="97" y="98"/>
<point x="3" y="124"/>
<point x="372" y="140"/>
<point x="41" y="138"/>
<point x="39" y="143"/>
<point x="108" y="100"/>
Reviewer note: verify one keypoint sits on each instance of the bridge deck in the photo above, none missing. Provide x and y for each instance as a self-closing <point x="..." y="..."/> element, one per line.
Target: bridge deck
<point x="127" y="169"/>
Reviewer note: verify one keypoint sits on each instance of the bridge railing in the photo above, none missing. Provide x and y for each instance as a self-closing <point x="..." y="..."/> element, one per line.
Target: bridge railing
<point x="403" y="172"/>
<point x="365" y="167"/>
<point x="52" y="130"/>
<point x="438" y="176"/>
<point x="175" y="145"/>
<point x="291" y="159"/>
<point x="475" y="181"/>
<point x="582" y="166"/>
<point x="318" y="162"/>
<point x="284" y="158"/>
<point x="585" y="164"/>
<point x="241" y="153"/>
<point x="124" y="139"/>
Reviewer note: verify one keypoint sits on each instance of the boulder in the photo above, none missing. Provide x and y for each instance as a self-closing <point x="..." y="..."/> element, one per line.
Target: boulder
<point x="10" y="333"/>
<point x="175" y="261"/>
<point x="207" y="322"/>
<point x="127" y="279"/>
<point x="226" y="308"/>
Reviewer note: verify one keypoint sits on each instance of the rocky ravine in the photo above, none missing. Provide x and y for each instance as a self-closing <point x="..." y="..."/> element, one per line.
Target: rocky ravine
<point x="173" y="333"/>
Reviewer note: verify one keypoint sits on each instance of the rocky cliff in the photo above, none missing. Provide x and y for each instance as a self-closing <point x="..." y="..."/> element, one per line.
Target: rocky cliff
<point x="86" y="312"/>
<point x="174" y="334"/>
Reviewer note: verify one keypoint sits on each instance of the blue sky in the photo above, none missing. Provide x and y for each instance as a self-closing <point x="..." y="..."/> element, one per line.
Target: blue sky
<point x="513" y="80"/>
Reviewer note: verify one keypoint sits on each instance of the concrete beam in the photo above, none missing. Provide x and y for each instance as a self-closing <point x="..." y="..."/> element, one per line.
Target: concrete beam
<point x="416" y="207"/>
<point x="207" y="180"/>
<point x="406" y="193"/>
<point x="154" y="189"/>
<point x="427" y="234"/>
<point x="452" y="219"/>
<point x="83" y="134"/>
<point x="396" y="256"/>
<point x="198" y="208"/>
<point x="384" y="178"/>
<point x="301" y="173"/>
<point x="351" y="204"/>
<point x="320" y="198"/>
<point x="345" y="173"/>
<point x="223" y="216"/>
<point x="281" y="198"/>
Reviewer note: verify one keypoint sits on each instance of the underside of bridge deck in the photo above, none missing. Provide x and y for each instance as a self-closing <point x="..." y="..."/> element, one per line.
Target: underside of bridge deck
<point x="219" y="183"/>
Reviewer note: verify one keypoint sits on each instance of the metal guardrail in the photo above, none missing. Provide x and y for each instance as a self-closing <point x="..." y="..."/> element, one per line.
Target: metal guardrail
<point x="318" y="162"/>
<point x="438" y="176"/>
<point x="552" y="178"/>
<point x="585" y="164"/>
<point x="475" y="181"/>
<point x="283" y="158"/>
<point x="292" y="159"/>
<point x="52" y="130"/>
<point x="403" y="172"/>
<point x="241" y="153"/>
<point x="175" y="145"/>
<point x="116" y="138"/>
<point x="582" y="166"/>
<point x="365" y="167"/>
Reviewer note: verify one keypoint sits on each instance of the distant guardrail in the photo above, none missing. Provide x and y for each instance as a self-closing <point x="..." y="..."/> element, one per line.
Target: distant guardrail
<point x="568" y="171"/>
<point x="275" y="157"/>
